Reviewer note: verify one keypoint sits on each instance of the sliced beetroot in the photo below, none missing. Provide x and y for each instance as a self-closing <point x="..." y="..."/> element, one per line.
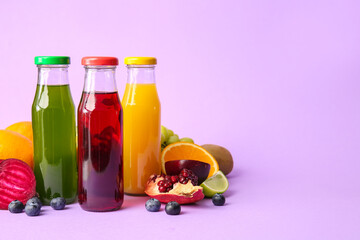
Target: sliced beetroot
<point x="200" y="169"/>
<point x="17" y="182"/>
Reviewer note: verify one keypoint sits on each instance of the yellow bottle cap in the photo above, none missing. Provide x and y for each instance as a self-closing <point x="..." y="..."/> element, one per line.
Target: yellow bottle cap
<point x="140" y="61"/>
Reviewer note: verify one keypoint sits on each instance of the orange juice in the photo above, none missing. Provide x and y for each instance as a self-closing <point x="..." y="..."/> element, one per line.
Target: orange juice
<point x="142" y="131"/>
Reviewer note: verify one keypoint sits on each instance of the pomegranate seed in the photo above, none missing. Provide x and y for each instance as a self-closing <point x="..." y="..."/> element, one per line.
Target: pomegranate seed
<point x="162" y="189"/>
<point x="185" y="174"/>
<point x="174" y="179"/>
<point x="153" y="178"/>
<point x="161" y="182"/>
<point x="184" y="181"/>
<point x="167" y="184"/>
<point x="168" y="178"/>
<point x="168" y="189"/>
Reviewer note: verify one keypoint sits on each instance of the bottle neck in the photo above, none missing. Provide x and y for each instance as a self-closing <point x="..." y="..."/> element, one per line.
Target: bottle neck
<point x="100" y="79"/>
<point x="141" y="74"/>
<point x="53" y="75"/>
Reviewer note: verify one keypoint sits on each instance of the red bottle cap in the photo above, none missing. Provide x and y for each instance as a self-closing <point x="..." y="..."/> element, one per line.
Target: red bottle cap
<point x="103" y="61"/>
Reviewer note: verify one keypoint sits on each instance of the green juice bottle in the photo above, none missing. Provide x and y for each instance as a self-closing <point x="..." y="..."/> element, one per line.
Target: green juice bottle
<point x="53" y="122"/>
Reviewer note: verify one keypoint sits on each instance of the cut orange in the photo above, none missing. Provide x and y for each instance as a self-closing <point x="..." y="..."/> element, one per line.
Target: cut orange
<point x="188" y="151"/>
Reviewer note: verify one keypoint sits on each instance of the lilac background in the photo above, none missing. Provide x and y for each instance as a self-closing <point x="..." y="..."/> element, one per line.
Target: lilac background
<point x="276" y="82"/>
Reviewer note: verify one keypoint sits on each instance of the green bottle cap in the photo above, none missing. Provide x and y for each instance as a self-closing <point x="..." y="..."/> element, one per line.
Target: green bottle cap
<point x="51" y="60"/>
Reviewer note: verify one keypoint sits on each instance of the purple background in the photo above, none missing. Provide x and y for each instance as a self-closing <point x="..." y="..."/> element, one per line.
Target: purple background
<point x="276" y="82"/>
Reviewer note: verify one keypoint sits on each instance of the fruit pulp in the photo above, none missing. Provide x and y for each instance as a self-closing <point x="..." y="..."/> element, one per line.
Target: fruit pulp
<point x="100" y="152"/>
<point x="141" y="136"/>
<point x="54" y="133"/>
<point x="200" y="169"/>
<point x="218" y="183"/>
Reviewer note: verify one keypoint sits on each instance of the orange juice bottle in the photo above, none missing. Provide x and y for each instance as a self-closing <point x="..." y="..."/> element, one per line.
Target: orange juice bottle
<point x="142" y="126"/>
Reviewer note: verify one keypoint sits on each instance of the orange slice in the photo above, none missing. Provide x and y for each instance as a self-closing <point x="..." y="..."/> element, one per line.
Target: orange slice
<point x="188" y="151"/>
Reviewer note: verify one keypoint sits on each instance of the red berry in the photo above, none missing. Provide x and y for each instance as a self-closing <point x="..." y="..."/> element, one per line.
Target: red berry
<point x="174" y="179"/>
<point x="167" y="184"/>
<point x="154" y="178"/>
<point x="184" y="181"/>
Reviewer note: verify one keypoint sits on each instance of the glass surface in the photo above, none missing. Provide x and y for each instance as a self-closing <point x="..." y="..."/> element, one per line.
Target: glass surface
<point x="142" y="133"/>
<point x="53" y="119"/>
<point x="100" y="152"/>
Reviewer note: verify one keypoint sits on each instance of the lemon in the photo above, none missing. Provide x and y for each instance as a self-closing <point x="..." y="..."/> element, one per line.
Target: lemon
<point x="217" y="183"/>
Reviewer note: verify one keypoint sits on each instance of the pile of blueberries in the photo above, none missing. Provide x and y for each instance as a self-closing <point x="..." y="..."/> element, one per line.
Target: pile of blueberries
<point x="33" y="206"/>
<point x="174" y="208"/>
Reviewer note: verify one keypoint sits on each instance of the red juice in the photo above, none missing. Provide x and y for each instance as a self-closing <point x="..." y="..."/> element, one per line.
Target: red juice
<point x="100" y="152"/>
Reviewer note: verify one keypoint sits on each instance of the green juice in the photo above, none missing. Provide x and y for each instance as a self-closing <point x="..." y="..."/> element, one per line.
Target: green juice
<point x="55" y="165"/>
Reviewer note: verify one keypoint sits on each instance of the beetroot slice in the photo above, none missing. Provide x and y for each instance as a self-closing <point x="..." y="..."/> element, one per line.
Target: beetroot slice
<point x="17" y="182"/>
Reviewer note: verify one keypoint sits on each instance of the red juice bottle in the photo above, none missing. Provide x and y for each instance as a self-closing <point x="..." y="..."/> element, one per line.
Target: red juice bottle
<point x="100" y="151"/>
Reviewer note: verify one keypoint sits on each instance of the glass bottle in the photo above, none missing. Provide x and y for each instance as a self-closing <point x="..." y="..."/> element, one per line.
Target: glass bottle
<point x="53" y="122"/>
<point x="100" y="137"/>
<point x="142" y="124"/>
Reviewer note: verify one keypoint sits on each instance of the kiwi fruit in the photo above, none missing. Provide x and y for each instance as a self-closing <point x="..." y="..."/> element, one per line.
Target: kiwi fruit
<point x="222" y="156"/>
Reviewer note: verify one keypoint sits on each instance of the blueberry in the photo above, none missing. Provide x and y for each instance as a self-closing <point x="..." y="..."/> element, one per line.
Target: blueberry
<point x="173" y="208"/>
<point x="58" y="203"/>
<point x="218" y="199"/>
<point x="32" y="209"/>
<point x="16" y="206"/>
<point x="152" y="205"/>
<point x="34" y="200"/>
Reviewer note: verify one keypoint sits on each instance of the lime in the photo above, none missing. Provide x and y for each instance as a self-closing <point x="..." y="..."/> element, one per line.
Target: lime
<point x="217" y="183"/>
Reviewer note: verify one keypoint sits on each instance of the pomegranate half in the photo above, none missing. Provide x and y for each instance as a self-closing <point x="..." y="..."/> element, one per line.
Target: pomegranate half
<point x="182" y="192"/>
<point x="17" y="182"/>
